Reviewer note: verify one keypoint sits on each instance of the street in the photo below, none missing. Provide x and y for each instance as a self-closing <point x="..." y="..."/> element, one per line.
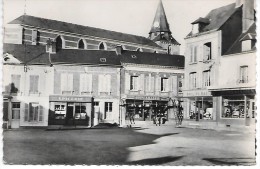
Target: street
<point x="156" y="145"/>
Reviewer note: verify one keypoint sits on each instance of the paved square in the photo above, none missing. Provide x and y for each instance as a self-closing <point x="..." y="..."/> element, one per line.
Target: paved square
<point x="161" y="145"/>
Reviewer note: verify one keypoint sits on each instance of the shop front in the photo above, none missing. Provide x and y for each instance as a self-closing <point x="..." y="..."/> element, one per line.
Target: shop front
<point x="237" y="107"/>
<point x="147" y="108"/>
<point x="71" y="110"/>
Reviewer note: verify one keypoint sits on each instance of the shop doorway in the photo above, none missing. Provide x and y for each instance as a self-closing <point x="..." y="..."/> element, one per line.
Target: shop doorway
<point x="70" y="113"/>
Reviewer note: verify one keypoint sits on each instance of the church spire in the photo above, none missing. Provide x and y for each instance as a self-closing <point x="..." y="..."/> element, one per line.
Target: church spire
<point x="160" y="23"/>
<point x="160" y="32"/>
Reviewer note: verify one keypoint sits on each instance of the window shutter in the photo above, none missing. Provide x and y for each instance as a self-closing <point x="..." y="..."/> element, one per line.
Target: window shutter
<point x="89" y="83"/>
<point x="100" y="83"/>
<point x="70" y="82"/>
<point x="36" y="83"/>
<point x="174" y="81"/>
<point x="108" y="82"/>
<point x="41" y="113"/>
<point x="26" y="112"/>
<point x="152" y="83"/>
<point x="158" y="84"/>
<point x="167" y="85"/>
<point x="127" y="82"/>
<point x="141" y="82"/>
<point x="82" y="83"/>
<point x="63" y="82"/>
<point x="31" y="83"/>
<point x="147" y="83"/>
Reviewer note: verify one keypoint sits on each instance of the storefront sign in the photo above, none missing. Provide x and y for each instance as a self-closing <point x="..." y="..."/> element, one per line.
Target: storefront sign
<point x="147" y="98"/>
<point x="196" y="93"/>
<point x="70" y="99"/>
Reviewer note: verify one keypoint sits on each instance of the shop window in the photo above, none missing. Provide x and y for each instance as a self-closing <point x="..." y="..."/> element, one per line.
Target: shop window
<point x="243" y="74"/>
<point x="150" y="83"/>
<point x="34" y="84"/>
<point x="15" y="83"/>
<point x="66" y="83"/>
<point x="134" y="82"/>
<point x="60" y="111"/>
<point x="86" y="83"/>
<point x="164" y="84"/>
<point x="201" y="109"/>
<point x="193" y="80"/>
<point x="108" y="109"/>
<point x="206" y="78"/>
<point x="15" y="110"/>
<point x="233" y="107"/>
<point x="207" y="51"/>
<point x="104" y="84"/>
<point x="33" y="113"/>
<point x="80" y="111"/>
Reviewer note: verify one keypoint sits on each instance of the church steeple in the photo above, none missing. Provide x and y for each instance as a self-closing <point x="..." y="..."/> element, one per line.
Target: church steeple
<point x="160" y="23"/>
<point x="160" y="31"/>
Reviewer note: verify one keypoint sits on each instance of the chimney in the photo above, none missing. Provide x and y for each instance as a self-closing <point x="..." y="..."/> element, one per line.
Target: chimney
<point x="248" y="14"/>
<point x="119" y="50"/>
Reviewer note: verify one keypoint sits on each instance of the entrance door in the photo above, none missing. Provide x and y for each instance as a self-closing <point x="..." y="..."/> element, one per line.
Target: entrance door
<point x="70" y="113"/>
<point x="15" y="122"/>
<point x="250" y="116"/>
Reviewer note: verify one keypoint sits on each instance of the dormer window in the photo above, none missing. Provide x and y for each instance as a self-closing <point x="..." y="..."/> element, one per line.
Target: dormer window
<point x="103" y="60"/>
<point x="102" y="46"/>
<point x="199" y="25"/>
<point x="60" y="43"/>
<point x="34" y="37"/>
<point x="82" y="44"/>
<point x="248" y="42"/>
<point x="134" y="56"/>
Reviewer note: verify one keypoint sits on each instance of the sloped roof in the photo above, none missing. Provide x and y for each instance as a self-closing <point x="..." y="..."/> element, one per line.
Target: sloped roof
<point x="37" y="55"/>
<point x="160" y="18"/>
<point x="165" y="39"/>
<point x="201" y="20"/>
<point x="132" y="57"/>
<point x="80" y="29"/>
<point x="237" y="45"/>
<point x="217" y="17"/>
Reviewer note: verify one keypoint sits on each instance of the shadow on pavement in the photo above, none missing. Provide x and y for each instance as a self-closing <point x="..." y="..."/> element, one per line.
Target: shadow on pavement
<point x="231" y="161"/>
<point x="155" y="161"/>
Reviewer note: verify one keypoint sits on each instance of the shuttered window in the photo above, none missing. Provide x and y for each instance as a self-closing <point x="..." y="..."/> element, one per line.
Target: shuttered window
<point x="193" y="80"/>
<point x="150" y="83"/>
<point x="34" y="37"/>
<point x="134" y="83"/>
<point x="34" y="84"/>
<point x="15" y="83"/>
<point x="85" y="83"/>
<point x="33" y="112"/>
<point x="66" y="83"/>
<point x="206" y="78"/>
<point x="165" y="84"/>
<point x="104" y="83"/>
<point x="243" y="74"/>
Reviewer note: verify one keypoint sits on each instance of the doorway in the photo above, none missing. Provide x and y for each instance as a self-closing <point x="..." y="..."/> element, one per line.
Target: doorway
<point x="70" y="113"/>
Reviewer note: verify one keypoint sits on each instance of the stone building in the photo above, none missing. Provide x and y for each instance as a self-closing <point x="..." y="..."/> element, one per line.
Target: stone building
<point x="58" y="73"/>
<point x="220" y="53"/>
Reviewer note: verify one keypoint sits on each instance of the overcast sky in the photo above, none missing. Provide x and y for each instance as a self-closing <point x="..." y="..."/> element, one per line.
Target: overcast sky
<point x="127" y="16"/>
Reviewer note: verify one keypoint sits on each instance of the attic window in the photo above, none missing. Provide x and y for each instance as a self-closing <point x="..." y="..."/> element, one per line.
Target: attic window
<point x="134" y="56"/>
<point x="103" y="60"/>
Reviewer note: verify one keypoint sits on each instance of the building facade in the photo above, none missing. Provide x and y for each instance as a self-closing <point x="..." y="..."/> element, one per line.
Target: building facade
<point x="214" y="45"/>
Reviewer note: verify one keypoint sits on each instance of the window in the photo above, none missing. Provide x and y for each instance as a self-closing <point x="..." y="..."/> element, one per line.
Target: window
<point x="180" y="81"/>
<point x="150" y="83"/>
<point x="15" y="110"/>
<point x="243" y="74"/>
<point x="81" y="44"/>
<point x="206" y="78"/>
<point x="193" y="80"/>
<point x="104" y="83"/>
<point x="34" y="112"/>
<point x="15" y="83"/>
<point x="34" y="83"/>
<point x="193" y="55"/>
<point x="164" y="84"/>
<point x="207" y="51"/>
<point x="233" y="107"/>
<point x="108" y="109"/>
<point x="80" y="111"/>
<point x="134" y="83"/>
<point x="59" y="43"/>
<point x="34" y="37"/>
<point x="85" y="83"/>
<point x="66" y="83"/>
<point x="102" y="46"/>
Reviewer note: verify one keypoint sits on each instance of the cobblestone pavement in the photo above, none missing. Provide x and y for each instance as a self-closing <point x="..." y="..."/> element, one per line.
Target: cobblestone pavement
<point x="156" y="145"/>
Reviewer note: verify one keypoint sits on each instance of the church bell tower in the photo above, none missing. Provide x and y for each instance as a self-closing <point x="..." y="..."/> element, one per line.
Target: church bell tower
<point x="160" y="32"/>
